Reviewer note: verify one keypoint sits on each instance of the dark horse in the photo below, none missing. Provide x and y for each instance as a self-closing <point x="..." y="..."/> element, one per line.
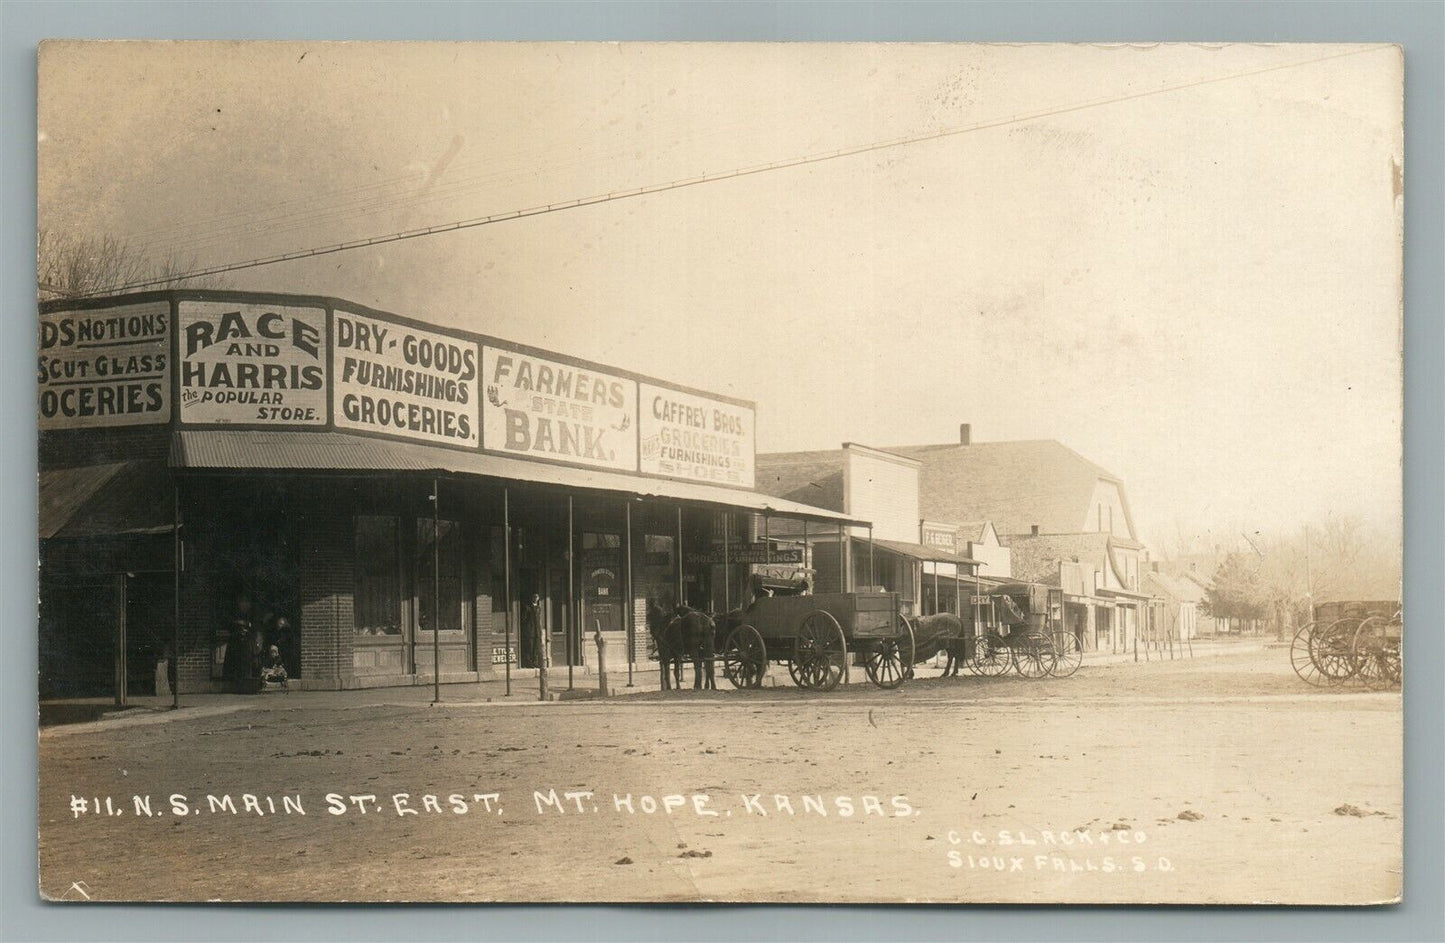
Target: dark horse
<point x="666" y="631"/>
<point x="699" y="639"/>
<point x="941" y="632"/>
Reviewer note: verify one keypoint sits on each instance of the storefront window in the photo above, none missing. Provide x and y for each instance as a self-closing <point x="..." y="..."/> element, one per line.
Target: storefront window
<point x="448" y="551"/>
<point x="377" y="603"/>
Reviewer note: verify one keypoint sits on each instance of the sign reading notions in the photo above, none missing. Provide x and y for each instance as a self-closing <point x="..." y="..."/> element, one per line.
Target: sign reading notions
<point x="105" y="367"/>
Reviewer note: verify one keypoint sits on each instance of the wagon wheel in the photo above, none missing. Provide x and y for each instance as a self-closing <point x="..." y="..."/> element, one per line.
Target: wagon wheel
<point x="889" y="662"/>
<point x="1070" y="654"/>
<point x="1035" y="658"/>
<point x="745" y="657"/>
<point x="1300" y="658"/>
<point x="820" y="652"/>
<point x="1331" y="650"/>
<point x="991" y="656"/>
<point x="1377" y="661"/>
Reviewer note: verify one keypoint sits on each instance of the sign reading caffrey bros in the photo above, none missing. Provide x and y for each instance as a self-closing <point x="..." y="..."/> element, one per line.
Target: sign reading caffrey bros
<point x="233" y="359"/>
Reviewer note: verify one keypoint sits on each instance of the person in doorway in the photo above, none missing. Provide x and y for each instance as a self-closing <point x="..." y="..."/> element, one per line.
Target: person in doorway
<point x="283" y="639"/>
<point x="236" y="667"/>
<point x="273" y="667"/>
<point x="527" y="635"/>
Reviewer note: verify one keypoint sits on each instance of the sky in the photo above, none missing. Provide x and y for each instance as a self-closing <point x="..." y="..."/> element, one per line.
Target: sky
<point x="1198" y="289"/>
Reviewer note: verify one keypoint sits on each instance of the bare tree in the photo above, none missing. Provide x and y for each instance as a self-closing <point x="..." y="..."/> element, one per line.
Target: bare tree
<point x="67" y="266"/>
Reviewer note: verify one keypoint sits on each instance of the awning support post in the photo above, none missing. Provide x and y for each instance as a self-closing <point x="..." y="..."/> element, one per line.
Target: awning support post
<point x="121" y="681"/>
<point x="631" y="603"/>
<point x="872" y="580"/>
<point x="178" y="551"/>
<point x="436" y="596"/>
<point x="677" y="557"/>
<point x="571" y="595"/>
<point x="842" y="560"/>
<point x="727" y="522"/>
<point x="507" y="587"/>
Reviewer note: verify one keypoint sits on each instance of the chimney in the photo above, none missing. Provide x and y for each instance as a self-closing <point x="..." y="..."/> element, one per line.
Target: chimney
<point x="1034" y="530"/>
<point x="965" y="433"/>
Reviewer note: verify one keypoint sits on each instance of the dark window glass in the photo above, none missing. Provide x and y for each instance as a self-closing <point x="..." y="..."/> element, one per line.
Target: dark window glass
<point x="377" y="606"/>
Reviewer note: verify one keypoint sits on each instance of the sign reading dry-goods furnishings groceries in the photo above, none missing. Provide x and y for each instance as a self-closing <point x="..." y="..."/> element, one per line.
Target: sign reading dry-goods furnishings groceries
<point x="545" y="409"/>
<point x="695" y="438"/>
<point x="941" y="536"/>
<point x="257" y="364"/>
<point x="401" y="381"/>
<point x="105" y="367"/>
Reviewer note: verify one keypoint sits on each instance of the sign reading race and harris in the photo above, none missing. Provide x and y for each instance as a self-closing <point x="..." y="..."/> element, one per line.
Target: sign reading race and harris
<point x="295" y="364"/>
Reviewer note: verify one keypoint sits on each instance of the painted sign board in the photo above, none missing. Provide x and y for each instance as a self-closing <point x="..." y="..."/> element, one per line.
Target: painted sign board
<point x="752" y="553"/>
<point x="401" y="381"/>
<point x="105" y="367"/>
<point x="252" y="364"/>
<point x="539" y="408"/>
<point x="941" y="536"/>
<point x="695" y="438"/>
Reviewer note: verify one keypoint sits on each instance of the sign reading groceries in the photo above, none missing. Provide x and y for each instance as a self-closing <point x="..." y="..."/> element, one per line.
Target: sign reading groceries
<point x="539" y="408"/>
<point x="257" y="364"/>
<point x="404" y="382"/>
<point x="695" y="437"/>
<point x="105" y="367"/>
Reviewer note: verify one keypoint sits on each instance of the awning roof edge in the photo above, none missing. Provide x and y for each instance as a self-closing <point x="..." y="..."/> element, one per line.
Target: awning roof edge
<point x="237" y="450"/>
<point x="924" y="552"/>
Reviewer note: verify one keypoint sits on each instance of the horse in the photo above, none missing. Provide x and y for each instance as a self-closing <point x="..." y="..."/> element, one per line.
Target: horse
<point x="940" y="632"/>
<point x="666" y="632"/>
<point x="699" y="639"/>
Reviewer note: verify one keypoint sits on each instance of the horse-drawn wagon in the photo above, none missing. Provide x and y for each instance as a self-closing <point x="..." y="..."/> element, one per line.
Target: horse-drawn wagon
<point x="1356" y="641"/>
<point x="1020" y="626"/>
<point x="818" y="637"/>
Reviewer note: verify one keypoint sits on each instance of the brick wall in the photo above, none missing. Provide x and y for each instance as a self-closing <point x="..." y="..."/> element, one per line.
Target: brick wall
<point x="325" y="550"/>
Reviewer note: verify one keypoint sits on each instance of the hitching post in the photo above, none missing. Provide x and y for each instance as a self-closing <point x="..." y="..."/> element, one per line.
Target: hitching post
<point x="507" y="587"/>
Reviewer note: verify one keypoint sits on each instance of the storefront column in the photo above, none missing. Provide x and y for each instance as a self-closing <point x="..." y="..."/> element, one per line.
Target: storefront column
<point x="631" y="608"/>
<point x="173" y="664"/>
<point x="727" y="522"/>
<point x="872" y="576"/>
<point x="436" y="597"/>
<point x="507" y="589"/>
<point x="677" y="558"/>
<point x="571" y="596"/>
<point x="843" y="541"/>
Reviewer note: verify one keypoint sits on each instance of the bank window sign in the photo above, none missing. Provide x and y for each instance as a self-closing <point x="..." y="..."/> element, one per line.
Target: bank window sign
<point x="538" y="408"/>
<point x="402" y="381"/>
<point x="105" y="367"/>
<point x="252" y="364"/>
<point x="693" y="437"/>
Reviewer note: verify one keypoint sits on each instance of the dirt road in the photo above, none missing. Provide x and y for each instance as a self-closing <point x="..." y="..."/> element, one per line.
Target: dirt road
<point x="1221" y="779"/>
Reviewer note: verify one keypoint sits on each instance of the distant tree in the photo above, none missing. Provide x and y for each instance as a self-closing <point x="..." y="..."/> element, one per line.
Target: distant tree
<point x="67" y="265"/>
<point x="1235" y="592"/>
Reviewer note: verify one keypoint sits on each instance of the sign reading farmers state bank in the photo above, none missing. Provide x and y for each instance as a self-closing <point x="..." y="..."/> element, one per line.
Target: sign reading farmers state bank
<point x="105" y="367"/>
<point x="695" y="438"/>
<point x="252" y="363"/>
<point x="539" y="408"/>
<point x="401" y="381"/>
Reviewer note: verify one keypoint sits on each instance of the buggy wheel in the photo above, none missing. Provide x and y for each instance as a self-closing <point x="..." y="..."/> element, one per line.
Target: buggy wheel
<point x="1035" y="658"/>
<point x="990" y="656"/>
<point x="1069" y="654"/>
<point x="820" y="653"/>
<point x="889" y="662"/>
<point x="745" y="658"/>
<point x="1300" y="658"/>
<point x="1377" y="661"/>
<point x="1331" y="650"/>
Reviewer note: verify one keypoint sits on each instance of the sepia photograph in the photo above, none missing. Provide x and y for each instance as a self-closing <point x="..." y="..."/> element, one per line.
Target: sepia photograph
<point x="685" y="472"/>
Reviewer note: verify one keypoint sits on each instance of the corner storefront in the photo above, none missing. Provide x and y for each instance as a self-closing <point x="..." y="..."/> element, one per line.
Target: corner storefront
<point x="372" y="495"/>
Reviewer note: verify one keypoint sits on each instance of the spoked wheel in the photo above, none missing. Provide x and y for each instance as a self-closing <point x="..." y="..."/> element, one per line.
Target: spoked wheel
<point x="1376" y="657"/>
<point x="991" y="656"/>
<point x="745" y="658"/>
<point x="1069" y="654"/>
<point x="1036" y="657"/>
<point x="889" y="662"/>
<point x="1300" y="658"/>
<point x="820" y="653"/>
<point x="1332" y="650"/>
